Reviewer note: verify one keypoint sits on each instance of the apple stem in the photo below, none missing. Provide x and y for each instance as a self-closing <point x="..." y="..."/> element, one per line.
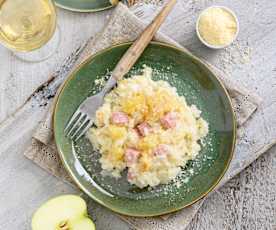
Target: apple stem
<point x="63" y="225"/>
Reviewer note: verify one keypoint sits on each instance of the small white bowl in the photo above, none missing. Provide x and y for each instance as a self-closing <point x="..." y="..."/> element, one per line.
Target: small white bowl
<point x="214" y="46"/>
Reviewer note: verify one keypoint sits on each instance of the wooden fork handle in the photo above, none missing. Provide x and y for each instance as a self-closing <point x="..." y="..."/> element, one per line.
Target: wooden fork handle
<point x="137" y="48"/>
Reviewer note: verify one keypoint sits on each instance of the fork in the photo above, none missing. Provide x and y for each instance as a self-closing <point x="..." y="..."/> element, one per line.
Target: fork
<point x="85" y="115"/>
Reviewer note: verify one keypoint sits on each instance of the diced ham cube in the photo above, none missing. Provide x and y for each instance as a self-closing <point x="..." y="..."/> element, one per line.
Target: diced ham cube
<point x="119" y="118"/>
<point x="131" y="156"/>
<point x="169" y="121"/>
<point x="161" y="150"/>
<point x="144" y="129"/>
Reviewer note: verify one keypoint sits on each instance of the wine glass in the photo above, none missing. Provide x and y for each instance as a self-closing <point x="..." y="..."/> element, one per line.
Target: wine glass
<point x="27" y="27"/>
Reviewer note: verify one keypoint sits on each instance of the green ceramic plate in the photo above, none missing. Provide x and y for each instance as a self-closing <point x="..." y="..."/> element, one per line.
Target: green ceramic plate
<point x="84" y="5"/>
<point x="192" y="79"/>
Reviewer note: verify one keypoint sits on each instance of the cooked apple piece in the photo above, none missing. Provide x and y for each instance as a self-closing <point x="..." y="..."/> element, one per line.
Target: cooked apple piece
<point x="67" y="212"/>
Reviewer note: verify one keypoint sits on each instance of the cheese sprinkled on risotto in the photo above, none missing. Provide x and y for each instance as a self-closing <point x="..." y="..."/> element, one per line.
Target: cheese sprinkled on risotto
<point x="146" y="128"/>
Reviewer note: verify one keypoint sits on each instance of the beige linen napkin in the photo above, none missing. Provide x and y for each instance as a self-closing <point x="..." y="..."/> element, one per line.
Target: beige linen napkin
<point x="123" y="26"/>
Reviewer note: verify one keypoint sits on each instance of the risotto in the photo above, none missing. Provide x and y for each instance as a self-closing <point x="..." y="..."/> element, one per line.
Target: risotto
<point x="147" y="129"/>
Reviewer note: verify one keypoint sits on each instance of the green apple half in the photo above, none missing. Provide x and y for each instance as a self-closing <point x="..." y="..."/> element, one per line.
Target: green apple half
<point x="67" y="212"/>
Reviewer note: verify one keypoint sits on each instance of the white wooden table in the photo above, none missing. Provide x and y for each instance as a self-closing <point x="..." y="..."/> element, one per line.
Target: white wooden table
<point x="246" y="202"/>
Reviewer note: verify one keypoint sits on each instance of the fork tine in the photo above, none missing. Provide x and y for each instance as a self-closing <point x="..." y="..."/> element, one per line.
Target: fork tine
<point x="75" y="115"/>
<point x="75" y="124"/>
<point x="84" y="130"/>
<point x="86" y="119"/>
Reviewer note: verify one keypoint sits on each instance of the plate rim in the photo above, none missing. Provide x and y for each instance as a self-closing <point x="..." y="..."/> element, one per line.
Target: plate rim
<point x="84" y="10"/>
<point x="75" y="179"/>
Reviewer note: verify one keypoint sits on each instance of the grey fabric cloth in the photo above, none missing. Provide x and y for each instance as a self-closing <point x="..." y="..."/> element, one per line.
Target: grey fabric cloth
<point x="123" y="26"/>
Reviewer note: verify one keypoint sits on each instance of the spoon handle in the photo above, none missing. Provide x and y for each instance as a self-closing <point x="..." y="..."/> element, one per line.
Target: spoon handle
<point x="137" y="48"/>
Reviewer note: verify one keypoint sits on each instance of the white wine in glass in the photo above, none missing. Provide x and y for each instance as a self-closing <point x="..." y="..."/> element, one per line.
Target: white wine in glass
<point x="27" y="25"/>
